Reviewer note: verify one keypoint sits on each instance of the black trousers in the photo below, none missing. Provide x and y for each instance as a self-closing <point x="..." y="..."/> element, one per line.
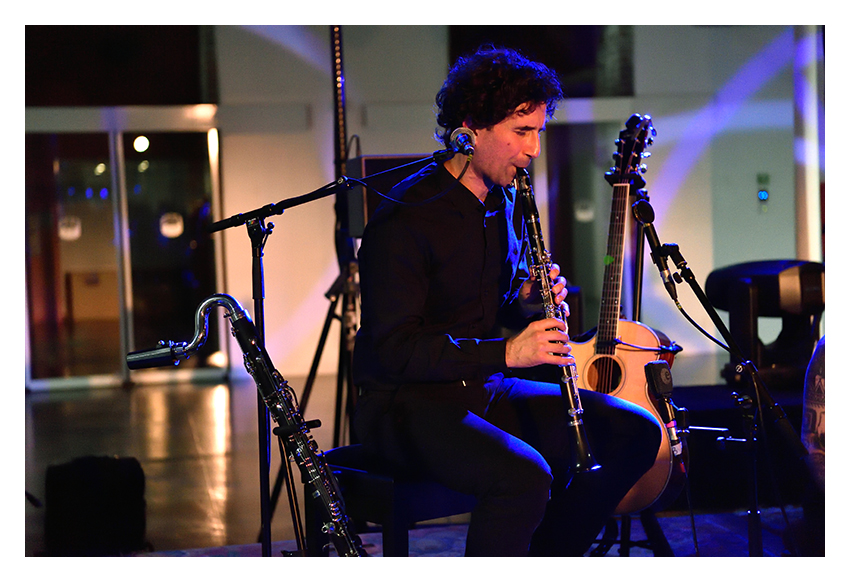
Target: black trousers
<point x="506" y="442"/>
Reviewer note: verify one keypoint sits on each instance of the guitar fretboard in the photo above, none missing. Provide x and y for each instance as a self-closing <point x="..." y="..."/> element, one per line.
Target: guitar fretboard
<point x="609" y="309"/>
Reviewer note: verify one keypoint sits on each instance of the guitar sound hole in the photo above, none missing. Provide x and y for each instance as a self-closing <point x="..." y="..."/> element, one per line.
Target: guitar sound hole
<point x="604" y="375"/>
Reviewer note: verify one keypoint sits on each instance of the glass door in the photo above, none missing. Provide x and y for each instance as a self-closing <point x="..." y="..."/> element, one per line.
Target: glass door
<point x="117" y="252"/>
<point x="71" y="265"/>
<point x="169" y="210"/>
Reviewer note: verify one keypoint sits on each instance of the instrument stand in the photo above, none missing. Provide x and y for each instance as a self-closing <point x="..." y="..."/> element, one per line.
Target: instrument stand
<point x="764" y="401"/>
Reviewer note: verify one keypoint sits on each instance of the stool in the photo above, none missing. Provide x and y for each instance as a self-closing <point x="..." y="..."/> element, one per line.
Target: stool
<point x="373" y="493"/>
<point x="655" y="540"/>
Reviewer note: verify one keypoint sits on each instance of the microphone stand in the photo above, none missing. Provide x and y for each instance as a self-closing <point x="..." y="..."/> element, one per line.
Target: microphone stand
<point x="258" y="233"/>
<point x="763" y="397"/>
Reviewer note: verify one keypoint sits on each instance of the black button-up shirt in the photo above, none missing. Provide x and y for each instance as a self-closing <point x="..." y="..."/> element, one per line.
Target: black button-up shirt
<point x="439" y="283"/>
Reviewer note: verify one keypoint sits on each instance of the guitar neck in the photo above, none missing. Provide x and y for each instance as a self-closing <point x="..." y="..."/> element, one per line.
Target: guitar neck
<point x="631" y="145"/>
<point x="612" y="285"/>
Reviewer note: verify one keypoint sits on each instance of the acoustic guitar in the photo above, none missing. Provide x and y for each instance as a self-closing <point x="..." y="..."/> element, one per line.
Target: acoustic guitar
<point x="612" y="360"/>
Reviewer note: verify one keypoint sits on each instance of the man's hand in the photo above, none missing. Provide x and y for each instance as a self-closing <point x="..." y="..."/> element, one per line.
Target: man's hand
<point x="530" y="291"/>
<point x="542" y="342"/>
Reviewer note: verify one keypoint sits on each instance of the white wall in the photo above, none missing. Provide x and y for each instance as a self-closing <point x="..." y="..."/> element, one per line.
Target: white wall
<point x="721" y="99"/>
<point x="277" y="121"/>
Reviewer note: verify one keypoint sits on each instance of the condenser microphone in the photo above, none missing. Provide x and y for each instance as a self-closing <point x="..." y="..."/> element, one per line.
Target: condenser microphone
<point x="661" y="261"/>
<point x="660" y="382"/>
<point x="462" y="141"/>
<point x="644" y="213"/>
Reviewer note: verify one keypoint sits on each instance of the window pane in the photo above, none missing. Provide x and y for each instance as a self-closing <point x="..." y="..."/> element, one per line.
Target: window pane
<point x="71" y="263"/>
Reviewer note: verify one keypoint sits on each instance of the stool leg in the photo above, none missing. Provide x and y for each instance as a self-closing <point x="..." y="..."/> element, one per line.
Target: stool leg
<point x="395" y="535"/>
<point x="607" y="539"/>
<point x="657" y="540"/>
<point x="317" y="541"/>
<point x="625" y="535"/>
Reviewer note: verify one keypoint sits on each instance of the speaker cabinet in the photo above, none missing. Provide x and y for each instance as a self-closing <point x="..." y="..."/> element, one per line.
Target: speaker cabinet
<point x="95" y="506"/>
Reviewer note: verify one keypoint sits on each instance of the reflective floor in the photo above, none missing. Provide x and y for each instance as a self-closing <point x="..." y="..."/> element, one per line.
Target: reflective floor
<point x="198" y="447"/>
<point x="199" y="450"/>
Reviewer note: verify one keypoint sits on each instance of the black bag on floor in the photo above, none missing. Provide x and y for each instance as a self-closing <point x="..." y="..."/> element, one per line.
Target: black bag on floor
<point x="95" y="506"/>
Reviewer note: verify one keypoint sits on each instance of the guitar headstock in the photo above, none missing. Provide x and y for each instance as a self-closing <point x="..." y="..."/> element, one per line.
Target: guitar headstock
<point x="631" y="151"/>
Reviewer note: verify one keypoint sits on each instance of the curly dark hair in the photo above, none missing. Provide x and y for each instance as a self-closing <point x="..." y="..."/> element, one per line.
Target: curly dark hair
<point x="486" y="87"/>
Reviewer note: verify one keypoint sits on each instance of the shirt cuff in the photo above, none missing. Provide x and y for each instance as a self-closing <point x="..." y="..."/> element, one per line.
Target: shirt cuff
<point x="493" y="356"/>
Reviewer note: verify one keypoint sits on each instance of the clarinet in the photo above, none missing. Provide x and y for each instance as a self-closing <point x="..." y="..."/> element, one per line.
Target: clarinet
<point x="281" y="402"/>
<point x="540" y="264"/>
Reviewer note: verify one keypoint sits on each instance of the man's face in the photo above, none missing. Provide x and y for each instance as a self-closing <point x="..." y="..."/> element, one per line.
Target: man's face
<point x="510" y="144"/>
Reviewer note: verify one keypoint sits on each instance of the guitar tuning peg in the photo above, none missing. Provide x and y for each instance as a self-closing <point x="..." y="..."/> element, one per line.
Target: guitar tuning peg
<point x="642" y="168"/>
<point x="645" y="154"/>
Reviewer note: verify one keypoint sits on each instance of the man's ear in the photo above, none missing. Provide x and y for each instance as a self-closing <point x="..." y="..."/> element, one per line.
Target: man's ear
<point x="469" y="127"/>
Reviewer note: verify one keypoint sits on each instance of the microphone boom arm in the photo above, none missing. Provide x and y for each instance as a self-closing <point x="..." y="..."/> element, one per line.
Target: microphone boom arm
<point x="341" y="183"/>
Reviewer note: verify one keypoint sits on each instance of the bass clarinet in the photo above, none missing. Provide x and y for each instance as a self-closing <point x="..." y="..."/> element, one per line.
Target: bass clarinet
<point x="539" y="267"/>
<point x="281" y="402"/>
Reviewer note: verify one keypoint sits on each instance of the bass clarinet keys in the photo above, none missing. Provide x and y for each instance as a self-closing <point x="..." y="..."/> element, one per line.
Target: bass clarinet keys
<point x="540" y="265"/>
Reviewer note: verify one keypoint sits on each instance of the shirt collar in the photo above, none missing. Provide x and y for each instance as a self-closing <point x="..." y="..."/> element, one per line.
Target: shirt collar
<point x="464" y="199"/>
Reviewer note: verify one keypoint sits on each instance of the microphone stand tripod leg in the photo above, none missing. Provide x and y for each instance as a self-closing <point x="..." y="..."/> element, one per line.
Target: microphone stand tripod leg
<point x="345" y="395"/>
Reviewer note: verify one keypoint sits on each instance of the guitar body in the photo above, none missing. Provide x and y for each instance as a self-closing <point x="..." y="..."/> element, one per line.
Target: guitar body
<point x="621" y="374"/>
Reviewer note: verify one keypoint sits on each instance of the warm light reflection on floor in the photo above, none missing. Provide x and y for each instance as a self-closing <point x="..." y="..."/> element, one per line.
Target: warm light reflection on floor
<point x="198" y="447"/>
